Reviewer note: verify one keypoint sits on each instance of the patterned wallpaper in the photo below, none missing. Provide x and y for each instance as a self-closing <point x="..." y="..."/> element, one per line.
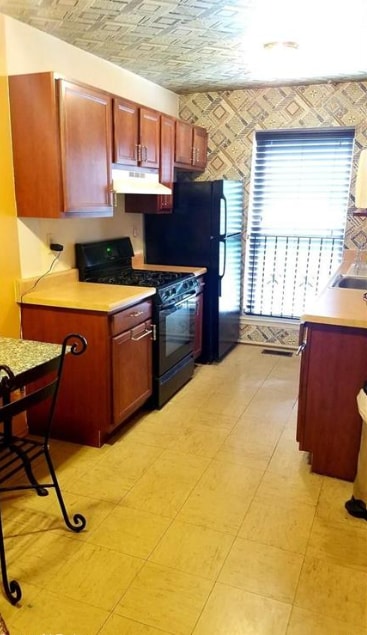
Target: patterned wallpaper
<point x="232" y="117"/>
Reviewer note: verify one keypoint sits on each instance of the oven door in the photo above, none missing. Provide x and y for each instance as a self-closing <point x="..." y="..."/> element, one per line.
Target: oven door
<point x="175" y="332"/>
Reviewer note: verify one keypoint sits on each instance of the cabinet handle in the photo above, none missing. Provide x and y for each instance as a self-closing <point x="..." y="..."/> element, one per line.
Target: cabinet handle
<point x="145" y="153"/>
<point x="302" y="339"/>
<point x="138" y="152"/>
<point x="193" y="156"/>
<point x="301" y="348"/>
<point x="145" y="333"/>
<point x="136" y="313"/>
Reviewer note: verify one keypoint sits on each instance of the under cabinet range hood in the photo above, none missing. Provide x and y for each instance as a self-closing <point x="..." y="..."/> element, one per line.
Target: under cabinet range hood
<point x="134" y="182"/>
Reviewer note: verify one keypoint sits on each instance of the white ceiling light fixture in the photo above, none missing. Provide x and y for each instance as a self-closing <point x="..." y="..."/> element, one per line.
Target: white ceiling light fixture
<point x="289" y="44"/>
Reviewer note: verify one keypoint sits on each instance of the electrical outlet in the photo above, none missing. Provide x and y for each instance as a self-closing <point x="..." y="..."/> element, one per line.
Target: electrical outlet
<point x="50" y="239"/>
<point x="135" y="231"/>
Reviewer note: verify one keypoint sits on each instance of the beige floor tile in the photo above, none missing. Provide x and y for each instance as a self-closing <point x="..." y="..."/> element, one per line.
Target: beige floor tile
<point x="103" y="483"/>
<point x="135" y="458"/>
<point x="223" y="422"/>
<point x="222" y="403"/>
<point x="166" y="485"/>
<point x="279" y="524"/>
<point x="95" y="575"/>
<point x="345" y="544"/>
<point x="258" y="429"/>
<point x="130" y="531"/>
<point x="117" y="625"/>
<point x="10" y="613"/>
<point x="196" y="550"/>
<point x="333" y="590"/>
<point x="34" y="550"/>
<point x="331" y="505"/>
<point x="93" y="509"/>
<point x="231" y="611"/>
<point x="307" y="623"/>
<point x="302" y="487"/>
<point x="51" y="613"/>
<point x="262" y="569"/>
<point x="271" y="403"/>
<point x="251" y="443"/>
<point x="167" y="598"/>
<point x="200" y="440"/>
<point x="222" y="497"/>
<point x="253" y="457"/>
<point x="287" y="458"/>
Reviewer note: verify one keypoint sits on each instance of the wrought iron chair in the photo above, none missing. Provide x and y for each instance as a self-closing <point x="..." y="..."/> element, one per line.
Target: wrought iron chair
<point x="17" y="453"/>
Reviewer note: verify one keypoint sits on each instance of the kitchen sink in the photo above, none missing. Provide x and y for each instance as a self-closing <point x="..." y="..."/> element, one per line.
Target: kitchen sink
<point x="350" y="282"/>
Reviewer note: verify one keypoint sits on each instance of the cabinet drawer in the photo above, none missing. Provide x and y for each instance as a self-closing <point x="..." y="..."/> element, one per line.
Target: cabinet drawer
<point x="128" y="318"/>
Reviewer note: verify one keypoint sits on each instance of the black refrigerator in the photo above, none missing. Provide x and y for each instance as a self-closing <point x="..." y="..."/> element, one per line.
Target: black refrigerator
<point x="205" y="229"/>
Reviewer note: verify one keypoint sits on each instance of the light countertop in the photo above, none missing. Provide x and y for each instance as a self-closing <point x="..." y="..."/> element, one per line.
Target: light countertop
<point x="338" y="306"/>
<point x="63" y="290"/>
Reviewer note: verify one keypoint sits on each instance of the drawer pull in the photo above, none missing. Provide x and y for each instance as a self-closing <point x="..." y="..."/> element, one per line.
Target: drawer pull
<point x="301" y="348"/>
<point x="136" y="314"/>
<point x="145" y="333"/>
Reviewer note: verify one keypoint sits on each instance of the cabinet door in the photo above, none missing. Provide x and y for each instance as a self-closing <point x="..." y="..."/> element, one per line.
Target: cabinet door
<point x="166" y="170"/>
<point x="333" y="370"/>
<point x="200" y="147"/>
<point x="36" y="145"/>
<point x="131" y="370"/>
<point x="149" y="129"/>
<point x="126" y="131"/>
<point x="183" y="150"/>
<point x="86" y="133"/>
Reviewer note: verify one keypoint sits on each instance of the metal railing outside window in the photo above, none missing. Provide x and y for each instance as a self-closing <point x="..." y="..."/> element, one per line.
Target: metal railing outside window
<point x="298" y="209"/>
<point x="288" y="272"/>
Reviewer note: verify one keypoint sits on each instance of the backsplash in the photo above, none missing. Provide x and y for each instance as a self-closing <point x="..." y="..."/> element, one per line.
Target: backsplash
<point x="232" y="117"/>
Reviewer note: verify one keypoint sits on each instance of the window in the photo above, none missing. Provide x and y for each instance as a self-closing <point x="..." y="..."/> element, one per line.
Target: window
<point x="298" y="209"/>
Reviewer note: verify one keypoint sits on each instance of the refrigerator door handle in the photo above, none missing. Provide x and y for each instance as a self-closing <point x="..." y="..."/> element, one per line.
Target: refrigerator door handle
<point x="222" y="273"/>
<point x="224" y="206"/>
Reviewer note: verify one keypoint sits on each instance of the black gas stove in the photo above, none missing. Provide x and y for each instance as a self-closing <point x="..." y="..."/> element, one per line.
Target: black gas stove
<point x="174" y="307"/>
<point x="110" y="262"/>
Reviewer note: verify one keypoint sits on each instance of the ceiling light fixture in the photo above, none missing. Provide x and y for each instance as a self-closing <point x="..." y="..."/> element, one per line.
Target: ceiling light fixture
<point x="280" y="45"/>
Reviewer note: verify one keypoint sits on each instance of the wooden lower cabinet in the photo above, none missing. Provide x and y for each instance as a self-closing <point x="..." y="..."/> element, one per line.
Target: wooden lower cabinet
<point x="109" y="382"/>
<point x="333" y="370"/>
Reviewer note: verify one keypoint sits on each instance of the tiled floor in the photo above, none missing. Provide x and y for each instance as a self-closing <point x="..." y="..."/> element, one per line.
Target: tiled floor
<point x="203" y="519"/>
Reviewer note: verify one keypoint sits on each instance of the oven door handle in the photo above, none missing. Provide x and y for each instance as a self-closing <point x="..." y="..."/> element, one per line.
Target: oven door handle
<point x="168" y="307"/>
<point x="145" y="333"/>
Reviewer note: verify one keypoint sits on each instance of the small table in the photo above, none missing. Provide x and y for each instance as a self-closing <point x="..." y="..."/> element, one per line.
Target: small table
<point x="28" y="359"/>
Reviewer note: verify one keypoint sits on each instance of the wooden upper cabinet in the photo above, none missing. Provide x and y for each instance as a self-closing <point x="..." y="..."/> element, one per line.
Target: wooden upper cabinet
<point x="62" y="147"/>
<point x="183" y="150"/>
<point x="200" y="147"/>
<point x="191" y="146"/>
<point x="136" y="134"/>
<point x="86" y="147"/>
<point x="151" y="203"/>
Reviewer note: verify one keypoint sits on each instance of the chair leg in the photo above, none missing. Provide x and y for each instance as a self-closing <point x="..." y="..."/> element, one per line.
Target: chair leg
<point x="79" y="520"/>
<point x="41" y="491"/>
<point x="12" y="589"/>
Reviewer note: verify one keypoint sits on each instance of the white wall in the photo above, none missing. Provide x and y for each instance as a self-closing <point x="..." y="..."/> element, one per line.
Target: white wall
<point x="29" y="50"/>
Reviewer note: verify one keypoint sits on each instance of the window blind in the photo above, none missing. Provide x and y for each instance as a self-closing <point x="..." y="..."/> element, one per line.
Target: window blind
<point x="298" y="207"/>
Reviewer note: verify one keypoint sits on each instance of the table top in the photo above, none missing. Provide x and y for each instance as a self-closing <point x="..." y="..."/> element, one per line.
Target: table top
<point x="25" y="355"/>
